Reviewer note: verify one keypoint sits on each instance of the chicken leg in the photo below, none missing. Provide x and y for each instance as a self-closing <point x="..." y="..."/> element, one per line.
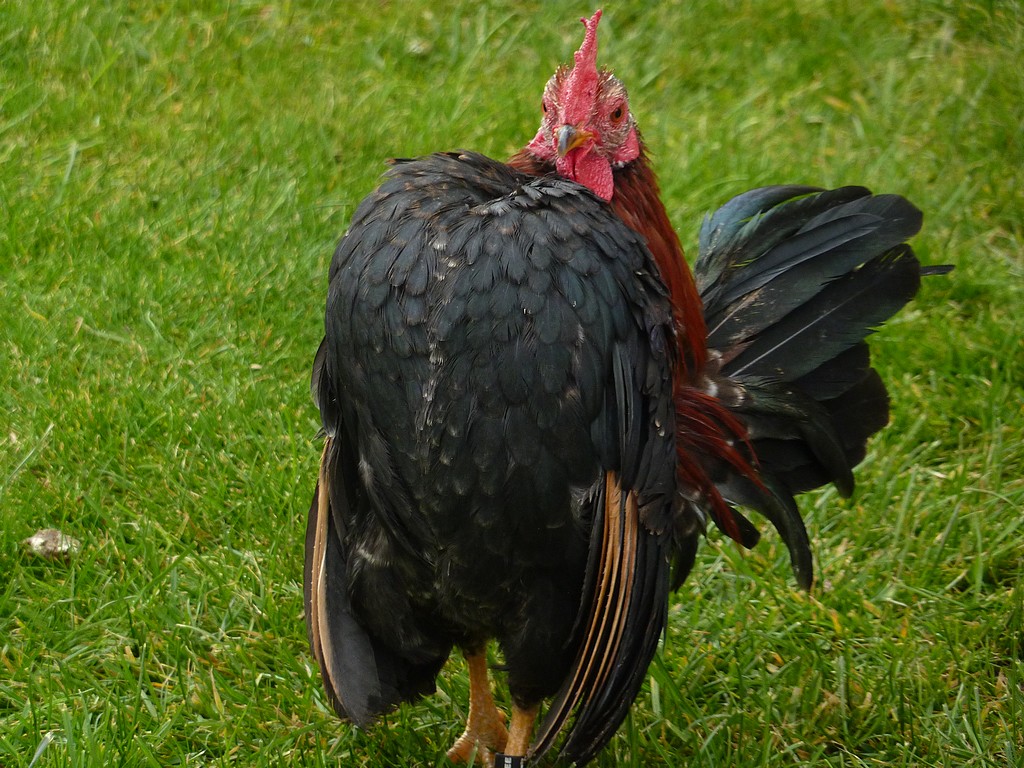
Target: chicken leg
<point x="519" y="733"/>
<point x="485" y="726"/>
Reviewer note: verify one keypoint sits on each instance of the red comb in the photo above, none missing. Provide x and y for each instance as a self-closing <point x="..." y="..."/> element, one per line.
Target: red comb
<point x="581" y="88"/>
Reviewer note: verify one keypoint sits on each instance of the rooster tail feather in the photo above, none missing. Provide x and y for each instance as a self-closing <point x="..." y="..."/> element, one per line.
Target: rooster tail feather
<point x="793" y="280"/>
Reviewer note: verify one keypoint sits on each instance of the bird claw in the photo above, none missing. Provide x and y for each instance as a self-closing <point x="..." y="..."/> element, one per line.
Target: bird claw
<point x="480" y="741"/>
<point x="466" y="751"/>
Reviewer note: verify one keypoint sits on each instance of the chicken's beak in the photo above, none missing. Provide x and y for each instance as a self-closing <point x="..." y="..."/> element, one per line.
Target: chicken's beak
<point x="570" y="137"/>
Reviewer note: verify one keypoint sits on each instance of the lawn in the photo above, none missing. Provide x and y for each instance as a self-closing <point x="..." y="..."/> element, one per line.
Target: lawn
<point x="173" y="178"/>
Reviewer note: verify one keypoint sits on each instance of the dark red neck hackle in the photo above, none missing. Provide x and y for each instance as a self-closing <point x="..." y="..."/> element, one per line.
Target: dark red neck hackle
<point x="581" y="86"/>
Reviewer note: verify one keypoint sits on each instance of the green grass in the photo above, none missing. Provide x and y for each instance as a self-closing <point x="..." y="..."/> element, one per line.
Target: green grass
<point x="173" y="177"/>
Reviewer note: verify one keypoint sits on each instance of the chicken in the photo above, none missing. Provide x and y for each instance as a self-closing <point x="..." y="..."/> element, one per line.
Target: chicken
<point x="532" y="409"/>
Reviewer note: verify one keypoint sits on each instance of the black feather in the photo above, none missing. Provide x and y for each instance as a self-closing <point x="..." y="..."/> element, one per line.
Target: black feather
<point x="765" y="285"/>
<point x="793" y="281"/>
<point x="832" y="321"/>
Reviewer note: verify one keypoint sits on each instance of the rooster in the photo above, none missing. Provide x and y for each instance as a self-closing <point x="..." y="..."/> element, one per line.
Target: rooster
<point x="532" y="411"/>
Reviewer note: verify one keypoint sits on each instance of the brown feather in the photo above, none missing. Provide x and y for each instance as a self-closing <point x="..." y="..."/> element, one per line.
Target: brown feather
<point x="599" y="651"/>
<point x="637" y="201"/>
<point x="317" y="606"/>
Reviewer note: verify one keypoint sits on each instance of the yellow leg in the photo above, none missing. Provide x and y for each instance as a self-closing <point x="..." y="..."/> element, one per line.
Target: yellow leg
<point x="521" y="730"/>
<point x="485" y="726"/>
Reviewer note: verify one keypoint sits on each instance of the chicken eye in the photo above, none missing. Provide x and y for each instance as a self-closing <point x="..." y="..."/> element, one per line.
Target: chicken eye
<point x="617" y="113"/>
<point x="544" y="105"/>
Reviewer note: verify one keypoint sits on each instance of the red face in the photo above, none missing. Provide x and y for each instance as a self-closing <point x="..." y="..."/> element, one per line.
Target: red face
<point x="587" y="128"/>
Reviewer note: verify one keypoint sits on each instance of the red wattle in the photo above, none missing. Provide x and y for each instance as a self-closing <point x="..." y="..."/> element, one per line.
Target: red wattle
<point x="589" y="169"/>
